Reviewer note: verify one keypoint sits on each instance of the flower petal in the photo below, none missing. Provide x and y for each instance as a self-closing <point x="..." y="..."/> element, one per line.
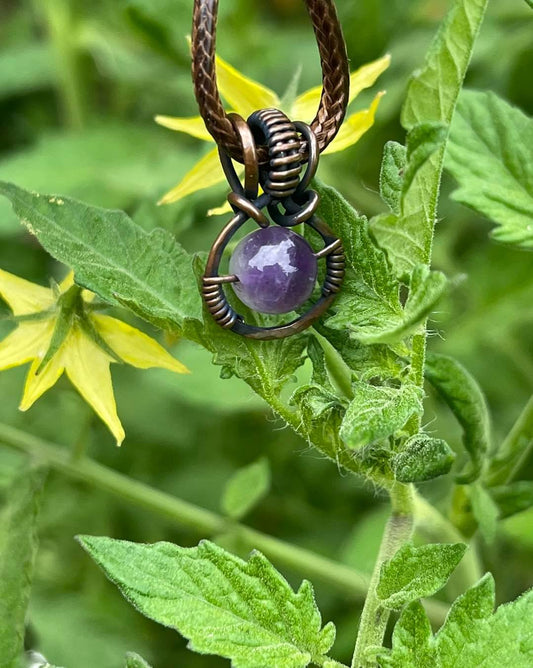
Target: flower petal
<point x="30" y="340"/>
<point x="22" y="296"/>
<point x="206" y="173"/>
<point x="37" y="384"/>
<point x="243" y="94"/>
<point x="220" y="210"/>
<point x="306" y="105"/>
<point x="367" y="75"/>
<point x="193" y="126"/>
<point x="135" y="347"/>
<point x="354" y="127"/>
<point x="87" y="367"/>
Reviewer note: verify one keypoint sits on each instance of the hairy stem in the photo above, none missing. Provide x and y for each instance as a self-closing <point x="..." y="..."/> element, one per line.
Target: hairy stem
<point x="398" y="531"/>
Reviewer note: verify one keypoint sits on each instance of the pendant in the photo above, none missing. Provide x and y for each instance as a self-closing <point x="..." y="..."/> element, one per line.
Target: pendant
<point x="272" y="270"/>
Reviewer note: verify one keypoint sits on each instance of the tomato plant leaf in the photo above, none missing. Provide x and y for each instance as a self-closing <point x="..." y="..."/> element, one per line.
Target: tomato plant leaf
<point x="422" y="458"/>
<point x="244" y="611"/>
<point x="490" y="154"/>
<point x="133" y="660"/>
<point x="376" y="412"/>
<point x="513" y="498"/>
<point x="471" y="635"/>
<point x="416" y="572"/>
<point x="246" y="488"/>
<point x="463" y="395"/>
<point x="110" y="255"/>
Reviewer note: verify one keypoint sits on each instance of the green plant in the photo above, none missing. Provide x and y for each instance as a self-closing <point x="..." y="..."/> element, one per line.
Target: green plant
<point x="363" y="374"/>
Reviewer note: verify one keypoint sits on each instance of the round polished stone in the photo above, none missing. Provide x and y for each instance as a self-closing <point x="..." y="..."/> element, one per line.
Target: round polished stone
<point x="276" y="269"/>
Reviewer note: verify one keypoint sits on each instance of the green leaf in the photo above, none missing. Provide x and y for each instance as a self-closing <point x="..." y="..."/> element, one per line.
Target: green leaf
<point x="244" y="611"/>
<point x="110" y="255"/>
<point x="368" y="306"/>
<point x="471" y="636"/>
<point x="392" y="174"/>
<point x="416" y="572"/>
<point x="369" y="299"/>
<point x="513" y="498"/>
<point x="246" y="488"/>
<point x="490" y="154"/>
<point x="413" y="644"/>
<point x="411" y="641"/>
<point x="321" y="413"/>
<point x="407" y="234"/>
<point x="434" y="89"/>
<point x="485" y="510"/>
<point x="377" y="412"/>
<point x="135" y="661"/>
<point x="507" y="460"/>
<point x="422" y="141"/>
<point x="466" y="400"/>
<point x="422" y="458"/>
<point x="18" y="549"/>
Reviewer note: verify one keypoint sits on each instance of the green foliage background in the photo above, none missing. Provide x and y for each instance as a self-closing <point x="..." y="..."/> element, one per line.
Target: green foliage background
<point x="79" y="86"/>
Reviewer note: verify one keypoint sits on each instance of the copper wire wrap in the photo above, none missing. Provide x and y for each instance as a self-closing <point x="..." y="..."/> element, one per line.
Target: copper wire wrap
<point x="335" y="77"/>
<point x="281" y="175"/>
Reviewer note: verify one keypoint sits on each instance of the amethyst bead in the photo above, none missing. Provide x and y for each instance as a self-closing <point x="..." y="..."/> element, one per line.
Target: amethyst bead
<point x="276" y="268"/>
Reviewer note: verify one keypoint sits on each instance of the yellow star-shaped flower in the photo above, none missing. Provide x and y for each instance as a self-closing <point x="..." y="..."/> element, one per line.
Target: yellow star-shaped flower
<point x="59" y="330"/>
<point x="245" y="96"/>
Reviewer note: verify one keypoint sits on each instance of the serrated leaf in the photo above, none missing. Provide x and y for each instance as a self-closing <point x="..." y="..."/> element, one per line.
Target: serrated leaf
<point x="433" y="90"/>
<point x="133" y="660"/>
<point x="431" y="98"/>
<point x="392" y="174"/>
<point x="244" y="611"/>
<point x="513" y="498"/>
<point x="490" y="154"/>
<point x="18" y="549"/>
<point x="246" y="488"/>
<point x="466" y="400"/>
<point x="411" y="641"/>
<point x="416" y="572"/>
<point x="422" y="458"/>
<point x="377" y="412"/>
<point x="369" y="299"/>
<point x="471" y="635"/>
<point x="422" y="141"/>
<point x="368" y="306"/>
<point x="110" y="255"/>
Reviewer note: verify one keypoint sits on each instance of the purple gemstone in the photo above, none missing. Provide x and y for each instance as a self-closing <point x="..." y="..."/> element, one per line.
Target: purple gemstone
<point x="276" y="269"/>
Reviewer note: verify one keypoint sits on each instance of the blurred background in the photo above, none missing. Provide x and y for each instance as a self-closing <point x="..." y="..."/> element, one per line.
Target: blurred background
<point x="80" y="84"/>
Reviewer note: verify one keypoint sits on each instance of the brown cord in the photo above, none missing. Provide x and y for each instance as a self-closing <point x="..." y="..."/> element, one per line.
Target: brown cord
<point x="335" y="77"/>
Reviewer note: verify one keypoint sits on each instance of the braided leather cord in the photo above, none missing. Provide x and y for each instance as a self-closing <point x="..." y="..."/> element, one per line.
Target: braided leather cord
<point x="335" y="76"/>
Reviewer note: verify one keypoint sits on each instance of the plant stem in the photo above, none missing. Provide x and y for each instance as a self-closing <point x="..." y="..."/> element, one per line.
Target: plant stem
<point x="398" y="531"/>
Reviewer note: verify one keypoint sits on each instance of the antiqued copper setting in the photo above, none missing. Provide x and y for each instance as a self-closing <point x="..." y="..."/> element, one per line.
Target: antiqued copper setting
<point x="283" y="190"/>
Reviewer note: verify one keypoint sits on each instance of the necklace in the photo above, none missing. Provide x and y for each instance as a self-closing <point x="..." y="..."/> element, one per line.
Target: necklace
<point x="272" y="270"/>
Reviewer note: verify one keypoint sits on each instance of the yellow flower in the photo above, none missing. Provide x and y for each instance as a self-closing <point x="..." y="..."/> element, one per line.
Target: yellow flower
<point x="60" y="331"/>
<point x="246" y="96"/>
